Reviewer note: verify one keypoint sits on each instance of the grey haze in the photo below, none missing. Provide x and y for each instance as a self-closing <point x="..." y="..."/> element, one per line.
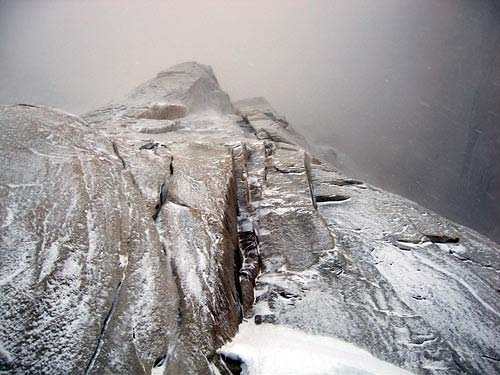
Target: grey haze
<point x="406" y="92"/>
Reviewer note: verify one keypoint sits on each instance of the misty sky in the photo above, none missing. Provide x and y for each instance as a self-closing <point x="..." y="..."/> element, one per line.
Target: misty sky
<point x="396" y="86"/>
<point x="306" y="57"/>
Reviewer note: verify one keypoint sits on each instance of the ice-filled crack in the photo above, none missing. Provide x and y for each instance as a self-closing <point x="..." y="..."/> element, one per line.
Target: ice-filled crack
<point x="250" y="266"/>
<point x="248" y="262"/>
<point x="238" y="265"/>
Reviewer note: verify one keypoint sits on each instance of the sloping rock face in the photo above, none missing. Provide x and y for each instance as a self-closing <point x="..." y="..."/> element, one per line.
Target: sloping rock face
<point x="85" y="286"/>
<point x="136" y="239"/>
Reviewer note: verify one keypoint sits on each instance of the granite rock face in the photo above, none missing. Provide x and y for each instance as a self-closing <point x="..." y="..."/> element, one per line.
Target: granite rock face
<point x="135" y="240"/>
<point x="85" y="286"/>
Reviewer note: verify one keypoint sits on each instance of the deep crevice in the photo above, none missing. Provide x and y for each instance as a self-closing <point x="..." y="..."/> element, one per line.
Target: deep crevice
<point x="249" y="264"/>
<point x="164" y="190"/>
<point x="436" y="238"/>
<point x="250" y="267"/>
<point x="238" y="264"/>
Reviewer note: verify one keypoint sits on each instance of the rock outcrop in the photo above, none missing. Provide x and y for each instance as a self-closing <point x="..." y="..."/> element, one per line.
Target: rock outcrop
<point x="136" y="239"/>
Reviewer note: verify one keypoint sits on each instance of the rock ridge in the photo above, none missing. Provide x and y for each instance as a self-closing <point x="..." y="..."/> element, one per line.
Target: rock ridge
<point x="137" y="238"/>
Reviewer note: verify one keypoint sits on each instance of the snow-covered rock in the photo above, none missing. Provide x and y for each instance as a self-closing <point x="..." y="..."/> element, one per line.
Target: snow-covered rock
<point x="136" y="239"/>
<point x="85" y="286"/>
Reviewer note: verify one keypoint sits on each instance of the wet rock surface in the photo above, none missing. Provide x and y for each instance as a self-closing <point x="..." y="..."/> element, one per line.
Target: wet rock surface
<point x="137" y="238"/>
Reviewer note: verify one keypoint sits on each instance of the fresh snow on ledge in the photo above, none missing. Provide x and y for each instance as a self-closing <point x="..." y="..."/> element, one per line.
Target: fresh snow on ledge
<point x="268" y="349"/>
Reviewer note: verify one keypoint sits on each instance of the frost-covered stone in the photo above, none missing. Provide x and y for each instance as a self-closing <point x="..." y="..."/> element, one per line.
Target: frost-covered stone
<point x="85" y="287"/>
<point x="135" y="240"/>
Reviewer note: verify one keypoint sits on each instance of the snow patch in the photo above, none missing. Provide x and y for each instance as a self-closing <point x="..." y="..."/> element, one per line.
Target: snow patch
<point x="123" y="261"/>
<point x="270" y="349"/>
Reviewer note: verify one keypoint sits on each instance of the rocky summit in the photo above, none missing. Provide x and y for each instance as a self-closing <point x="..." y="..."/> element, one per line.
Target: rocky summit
<point x="170" y="231"/>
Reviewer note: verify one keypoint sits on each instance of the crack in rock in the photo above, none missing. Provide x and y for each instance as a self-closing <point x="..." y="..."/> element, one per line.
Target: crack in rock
<point x="104" y="329"/>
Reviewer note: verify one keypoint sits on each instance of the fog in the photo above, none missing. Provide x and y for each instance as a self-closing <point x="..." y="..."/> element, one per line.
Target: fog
<point x="406" y="92"/>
